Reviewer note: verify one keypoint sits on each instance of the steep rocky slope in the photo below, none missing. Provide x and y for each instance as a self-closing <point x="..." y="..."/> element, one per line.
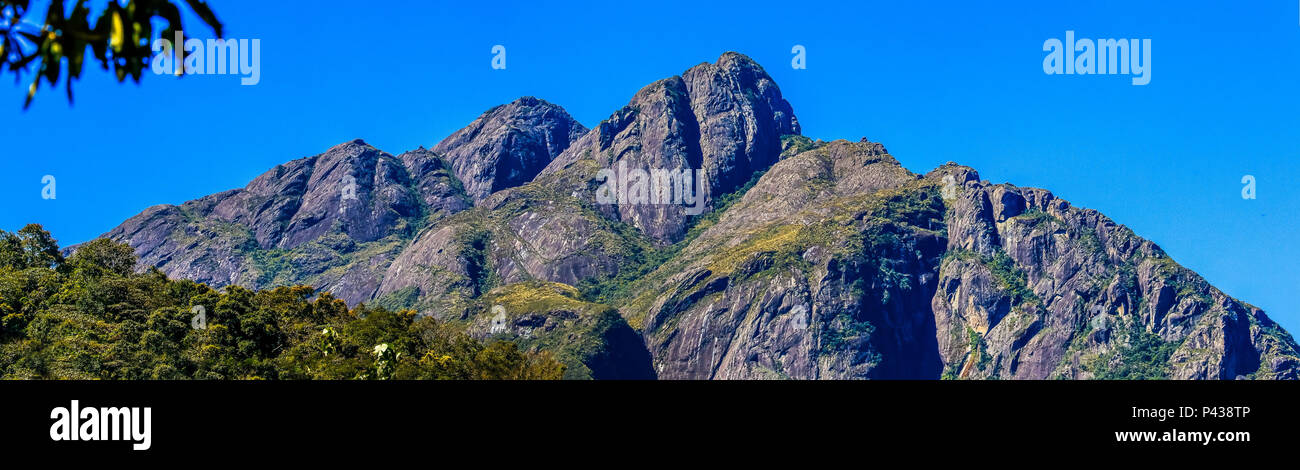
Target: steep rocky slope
<point x="807" y="259"/>
<point x="591" y="339"/>
<point x="726" y="118"/>
<point x="541" y="231"/>
<point x="839" y="263"/>
<point x="508" y="145"/>
<point x="330" y="220"/>
<point x="1033" y="287"/>
<point x="554" y="230"/>
<point x="337" y="221"/>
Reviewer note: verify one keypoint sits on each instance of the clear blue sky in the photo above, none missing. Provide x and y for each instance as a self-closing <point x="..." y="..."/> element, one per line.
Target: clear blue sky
<point x="933" y="81"/>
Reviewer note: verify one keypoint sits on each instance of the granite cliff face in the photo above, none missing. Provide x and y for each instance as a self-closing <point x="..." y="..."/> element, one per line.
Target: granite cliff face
<point x="1043" y="289"/>
<point x="842" y="264"/>
<point x="725" y="118"/>
<point x="333" y="221"/>
<point x="508" y="145"/>
<point x="810" y="260"/>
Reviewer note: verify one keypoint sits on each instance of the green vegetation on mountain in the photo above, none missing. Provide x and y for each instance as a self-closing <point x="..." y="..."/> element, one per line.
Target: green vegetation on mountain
<point x="590" y="339"/>
<point x="91" y="316"/>
<point x="808" y="260"/>
<point x="1141" y="356"/>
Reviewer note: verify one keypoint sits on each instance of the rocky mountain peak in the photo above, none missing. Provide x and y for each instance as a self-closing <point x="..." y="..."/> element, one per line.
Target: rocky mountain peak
<point x="352" y="187"/>
<point x="828" y="260"/>
<point x="726" y="118"/>
<point x="508" y="145"/>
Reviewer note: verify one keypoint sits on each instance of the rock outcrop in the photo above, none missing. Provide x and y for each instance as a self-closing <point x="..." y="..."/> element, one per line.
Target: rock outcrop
<point x="592" y="340"/>
<point x="809" y="260"/>
<point x="333" y="221"/>
<point x="841" y="264"/>
<point x="508" y="145"/>
<point x="726" y="119"/>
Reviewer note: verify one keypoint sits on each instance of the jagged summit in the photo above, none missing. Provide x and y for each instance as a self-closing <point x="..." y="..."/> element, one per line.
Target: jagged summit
<point x="508" y="145"/>
<point x="726" y="118"/>
<point x="827" y="259"/>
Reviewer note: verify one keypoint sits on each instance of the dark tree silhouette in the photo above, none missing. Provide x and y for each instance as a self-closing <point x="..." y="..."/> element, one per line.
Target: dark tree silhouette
<point x="119" y="36"/>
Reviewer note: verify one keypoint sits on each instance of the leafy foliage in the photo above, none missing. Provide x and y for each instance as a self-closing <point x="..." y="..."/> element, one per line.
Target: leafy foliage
<point x="119" y="37"/>
<point x="92" y="316"/>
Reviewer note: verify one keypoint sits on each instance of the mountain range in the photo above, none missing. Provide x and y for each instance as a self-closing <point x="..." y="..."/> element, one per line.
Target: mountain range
<point x="811" y="259"/>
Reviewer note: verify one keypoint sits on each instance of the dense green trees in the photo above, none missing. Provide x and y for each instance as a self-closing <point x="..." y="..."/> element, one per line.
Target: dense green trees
<point x="91" y="316"/>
